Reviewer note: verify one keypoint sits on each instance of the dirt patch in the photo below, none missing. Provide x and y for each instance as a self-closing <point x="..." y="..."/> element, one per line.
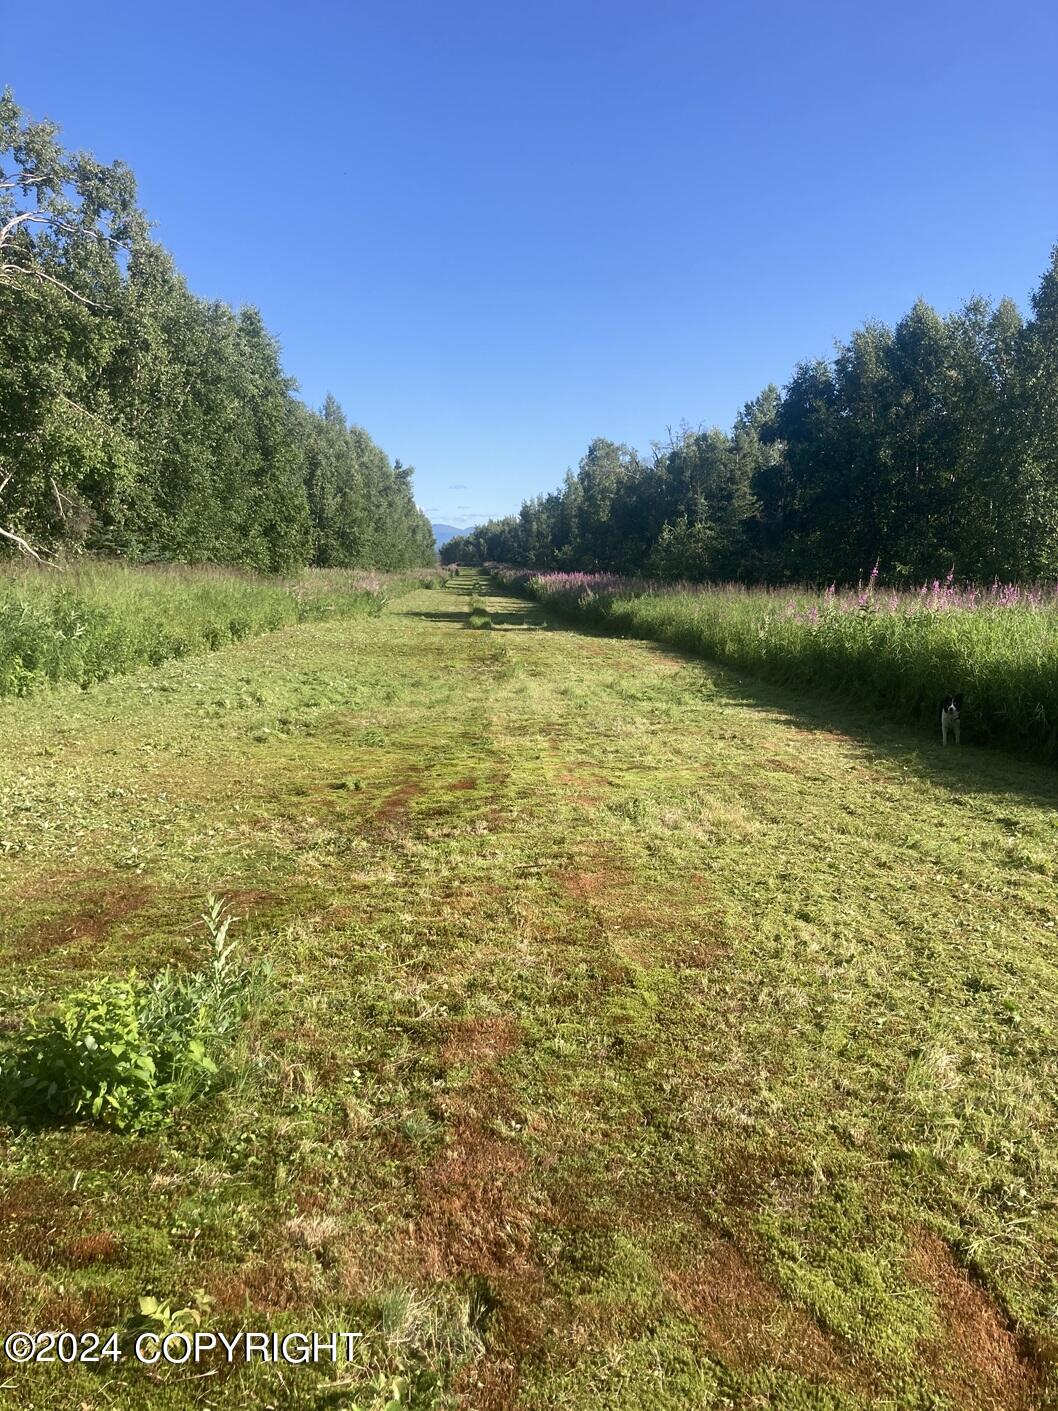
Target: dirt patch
<point x="460" y="785"/>
<point x="746" y="1321"/>
<point x="979" y="1359"/>
<point x="474" y="1220"/>
<point x="92" y="917"/>
<point x="480" y="1041"/>
<point x="397" y="803"/>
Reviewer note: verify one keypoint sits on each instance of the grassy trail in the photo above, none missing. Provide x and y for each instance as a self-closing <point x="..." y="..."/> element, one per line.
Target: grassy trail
<point x="637" y="1037"/>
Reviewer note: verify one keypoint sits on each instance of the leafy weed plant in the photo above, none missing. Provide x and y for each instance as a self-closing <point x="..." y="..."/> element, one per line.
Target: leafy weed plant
<point x="124" y="1052"/>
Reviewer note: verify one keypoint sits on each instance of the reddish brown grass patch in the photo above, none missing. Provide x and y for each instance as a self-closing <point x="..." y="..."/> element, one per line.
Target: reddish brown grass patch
<point x="91" y="918"/>
<point x="85" y="1250"/>
<point x="745" y="1320"/>
<point x="483" y="1040"/>
<point x="979" y="1359"/>
<point x="593" y="884"/>
<point x="474" y="1219"/>
<point x="34" y="1216"/>
<point x="397" y="803"/>
<point x="263" y="1285"/>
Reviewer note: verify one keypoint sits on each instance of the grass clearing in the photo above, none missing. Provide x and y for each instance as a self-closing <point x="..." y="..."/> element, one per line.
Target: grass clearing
<point x="636" y="1035"/>
<point x="92" y="620"/>
<point x="902" y="651"/>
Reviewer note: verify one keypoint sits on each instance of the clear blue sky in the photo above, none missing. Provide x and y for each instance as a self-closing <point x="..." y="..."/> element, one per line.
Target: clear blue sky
<point x="497" y="229"/>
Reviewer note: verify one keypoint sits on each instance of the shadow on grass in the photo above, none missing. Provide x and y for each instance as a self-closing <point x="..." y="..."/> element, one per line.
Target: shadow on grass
<point x="499" y="619"/>
<point x="964" y="770"/>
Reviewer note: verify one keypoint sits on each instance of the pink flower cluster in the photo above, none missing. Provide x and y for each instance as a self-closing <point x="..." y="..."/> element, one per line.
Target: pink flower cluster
<point x="939" y="595"/>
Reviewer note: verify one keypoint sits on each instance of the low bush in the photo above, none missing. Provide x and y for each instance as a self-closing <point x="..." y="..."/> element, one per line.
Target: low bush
<point x="123" y="1052"/>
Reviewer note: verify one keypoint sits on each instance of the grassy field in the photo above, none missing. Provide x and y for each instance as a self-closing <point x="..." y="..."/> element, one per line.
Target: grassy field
<point x="92" y="620"/>
<point x="902" y="651"/>
<point x="627" y="1035"/>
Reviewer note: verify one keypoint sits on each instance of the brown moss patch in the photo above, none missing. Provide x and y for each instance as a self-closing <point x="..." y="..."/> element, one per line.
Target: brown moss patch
<point x="77" y="1311"/>
<point x="492" y="1387"/>
<point x="474" y="1219"/>
<point x="745" y="1320"/>
<point x="483" y="1040"/>
<point x="263" y="1285"/>
<point x="34" y="1218"/>
<point x="979" y="1359"/>
<point x="397" y="803"/>
<point x="86" y="1250"/>
<point x="90" y="918"/>
<point x="245" y="901"/>
<point x="784" y="766"/>
<point x="592" y="884"/>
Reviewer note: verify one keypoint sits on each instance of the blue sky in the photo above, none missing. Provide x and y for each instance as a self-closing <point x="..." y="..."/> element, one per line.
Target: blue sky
<point x="496" y="230"/>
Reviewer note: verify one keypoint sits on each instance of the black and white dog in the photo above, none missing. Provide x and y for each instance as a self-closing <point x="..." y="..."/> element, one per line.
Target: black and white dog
<point x="950" y="715"/>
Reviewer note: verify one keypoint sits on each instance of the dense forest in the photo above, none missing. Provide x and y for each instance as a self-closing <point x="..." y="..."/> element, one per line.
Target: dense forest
<point x="925" y="447"/>
<point x="137" y="419"/>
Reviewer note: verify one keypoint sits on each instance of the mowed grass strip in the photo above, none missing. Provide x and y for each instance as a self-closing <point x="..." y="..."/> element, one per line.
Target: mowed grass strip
<point x="635" y="1037"/>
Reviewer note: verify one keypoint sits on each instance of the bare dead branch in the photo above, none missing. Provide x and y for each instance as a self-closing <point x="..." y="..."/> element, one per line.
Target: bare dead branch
<point x="20" y="543"/>
<point x="40" y="217"/>
<point x="7" y="270"/>
<point x="59" y="497"/>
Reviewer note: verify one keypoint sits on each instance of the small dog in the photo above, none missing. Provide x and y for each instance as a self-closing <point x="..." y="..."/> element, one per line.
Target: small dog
<point x="950" y="717"/>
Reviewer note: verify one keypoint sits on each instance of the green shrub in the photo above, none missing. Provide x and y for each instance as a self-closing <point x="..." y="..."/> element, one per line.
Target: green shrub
<point x="91" y="1058"/>
<point x="123" y="1052"/>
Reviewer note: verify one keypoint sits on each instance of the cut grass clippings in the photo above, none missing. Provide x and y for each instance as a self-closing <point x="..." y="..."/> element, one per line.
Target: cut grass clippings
<point x="902" y="651"/>
<point x="634" y="1037"/>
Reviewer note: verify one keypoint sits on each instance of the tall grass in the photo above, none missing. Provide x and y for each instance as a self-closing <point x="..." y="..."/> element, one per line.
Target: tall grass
<point x="903" y="651"/>
<point x="100" y="619"/>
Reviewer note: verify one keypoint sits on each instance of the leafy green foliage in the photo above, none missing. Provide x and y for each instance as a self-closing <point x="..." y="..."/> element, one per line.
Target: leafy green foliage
<point x="918" y="447"/>
<point x="122" y="1052"/>
<point x="90" y="1059"/>
<point x="159" y="1315"/>
<point x="140" y="420"/>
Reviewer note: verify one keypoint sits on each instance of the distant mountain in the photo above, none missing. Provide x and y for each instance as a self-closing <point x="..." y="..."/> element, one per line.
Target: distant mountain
<point x="443" y="532"/>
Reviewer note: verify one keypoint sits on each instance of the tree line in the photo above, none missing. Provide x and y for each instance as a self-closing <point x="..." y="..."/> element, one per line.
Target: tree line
<point x="925" y="447"/>
<point x="137" y="419"/>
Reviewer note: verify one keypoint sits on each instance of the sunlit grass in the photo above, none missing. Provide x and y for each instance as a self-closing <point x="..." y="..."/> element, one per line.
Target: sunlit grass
<point x="95" y="620"/>
<point x="997" y="646"/>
